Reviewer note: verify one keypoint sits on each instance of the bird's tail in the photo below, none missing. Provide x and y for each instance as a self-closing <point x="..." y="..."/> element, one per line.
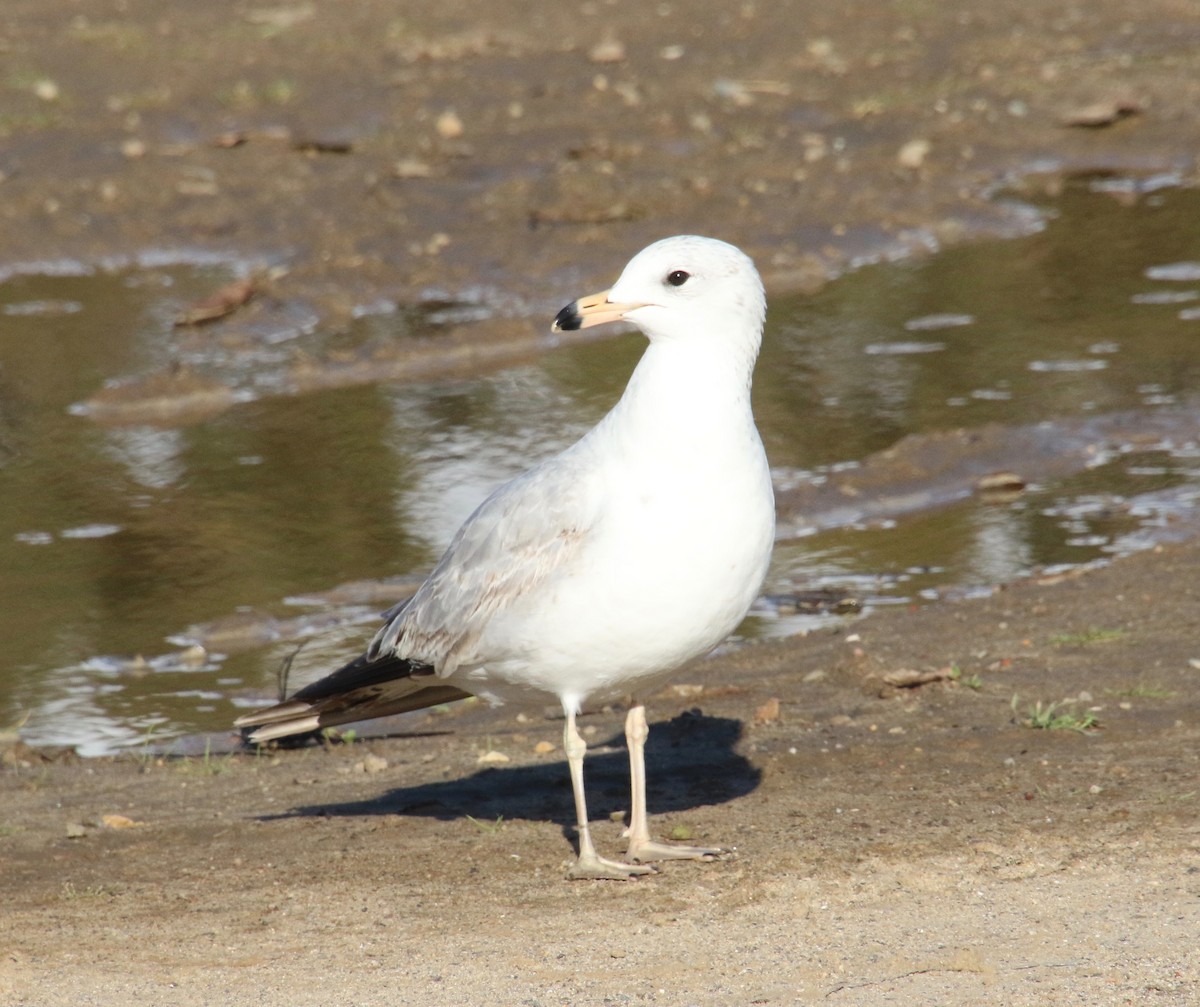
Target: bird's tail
<point x="361" y="690"/>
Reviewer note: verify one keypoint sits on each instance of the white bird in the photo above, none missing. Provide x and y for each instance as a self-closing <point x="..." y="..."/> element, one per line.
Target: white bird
<point x="597" y="573"/>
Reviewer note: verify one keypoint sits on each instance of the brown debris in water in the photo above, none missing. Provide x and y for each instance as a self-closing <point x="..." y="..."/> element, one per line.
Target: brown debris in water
<point x="1000" y="487"/>
<point x="224" y="301"/>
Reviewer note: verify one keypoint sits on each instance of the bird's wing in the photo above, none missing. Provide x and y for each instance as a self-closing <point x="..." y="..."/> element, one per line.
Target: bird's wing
<point x="525" y="534"/>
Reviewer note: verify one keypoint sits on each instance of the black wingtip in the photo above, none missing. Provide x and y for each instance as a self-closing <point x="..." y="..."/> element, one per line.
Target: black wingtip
<point x="569" y="319"/>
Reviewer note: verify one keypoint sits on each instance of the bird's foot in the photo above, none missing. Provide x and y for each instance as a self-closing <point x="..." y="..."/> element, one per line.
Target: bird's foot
<point x="596" y="868"/>
<point x="648" y="849"/>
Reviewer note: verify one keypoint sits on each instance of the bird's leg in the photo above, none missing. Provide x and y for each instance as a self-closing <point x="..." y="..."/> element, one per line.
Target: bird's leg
<point x="589" y="864"/>
<point x="641" y="846"/>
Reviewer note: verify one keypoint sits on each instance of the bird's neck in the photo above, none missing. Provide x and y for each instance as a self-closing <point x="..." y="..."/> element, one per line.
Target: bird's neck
<point x="685" y="393"/>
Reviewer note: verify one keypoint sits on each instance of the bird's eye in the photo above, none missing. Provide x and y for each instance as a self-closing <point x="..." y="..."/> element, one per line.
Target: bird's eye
<point x="677" y="278"/>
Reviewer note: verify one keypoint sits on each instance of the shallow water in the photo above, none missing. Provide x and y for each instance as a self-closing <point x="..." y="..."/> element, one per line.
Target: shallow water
<point x="113" y="539"/>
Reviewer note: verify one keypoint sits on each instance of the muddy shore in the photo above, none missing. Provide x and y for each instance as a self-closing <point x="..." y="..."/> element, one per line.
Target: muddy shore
<point x="367" y="159"/>
<point x="897" y="843"/>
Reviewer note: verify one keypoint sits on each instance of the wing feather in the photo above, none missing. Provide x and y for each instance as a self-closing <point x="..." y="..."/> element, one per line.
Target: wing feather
<point x="518" y="539"/>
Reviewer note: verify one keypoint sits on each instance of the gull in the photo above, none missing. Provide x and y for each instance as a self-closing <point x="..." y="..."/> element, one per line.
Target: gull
<point x="597" y="573"/>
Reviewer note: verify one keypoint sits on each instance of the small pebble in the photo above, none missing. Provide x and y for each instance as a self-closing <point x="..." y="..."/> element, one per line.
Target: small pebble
<point x="913" y="153"/>
<point x="410" y="167"/>
<point x="609" y="50"/>
<point x="449" y="126"/>
<point x="374" y="763"/>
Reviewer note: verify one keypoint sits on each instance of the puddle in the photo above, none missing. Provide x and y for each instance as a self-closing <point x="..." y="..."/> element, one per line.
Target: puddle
<point x="227" y="528"/>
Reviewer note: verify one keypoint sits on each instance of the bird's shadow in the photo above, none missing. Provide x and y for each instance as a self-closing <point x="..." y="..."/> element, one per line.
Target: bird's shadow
<point x="690" y="761"/>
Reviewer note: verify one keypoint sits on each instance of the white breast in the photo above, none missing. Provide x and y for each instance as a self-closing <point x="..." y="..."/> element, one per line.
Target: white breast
<point x="677" y="556"/>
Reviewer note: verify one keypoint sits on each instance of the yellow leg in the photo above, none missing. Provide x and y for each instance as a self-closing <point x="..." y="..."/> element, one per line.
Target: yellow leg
<point x="641" y="847"/>
<point x="589" y="864"/>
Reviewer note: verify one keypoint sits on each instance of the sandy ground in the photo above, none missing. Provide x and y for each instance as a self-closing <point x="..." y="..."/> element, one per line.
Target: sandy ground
<point x="893" y="845"/>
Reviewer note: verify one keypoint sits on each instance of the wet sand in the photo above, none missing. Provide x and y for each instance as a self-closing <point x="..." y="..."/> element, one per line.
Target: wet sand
<point x="904" y="845"/>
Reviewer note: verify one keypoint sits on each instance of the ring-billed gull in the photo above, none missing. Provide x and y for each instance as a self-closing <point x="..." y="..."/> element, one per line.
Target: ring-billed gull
<point x="597" y="573"/>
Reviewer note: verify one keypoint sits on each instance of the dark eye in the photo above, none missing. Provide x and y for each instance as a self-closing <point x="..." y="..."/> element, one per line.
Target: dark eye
<point x="678" y="278"/>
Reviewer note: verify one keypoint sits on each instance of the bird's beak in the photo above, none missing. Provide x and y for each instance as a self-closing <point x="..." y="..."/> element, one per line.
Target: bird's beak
<point x="595" y="309"/>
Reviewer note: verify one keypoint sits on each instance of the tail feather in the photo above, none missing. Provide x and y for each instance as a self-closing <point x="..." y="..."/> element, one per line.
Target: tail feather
<point x="362" y="690"/>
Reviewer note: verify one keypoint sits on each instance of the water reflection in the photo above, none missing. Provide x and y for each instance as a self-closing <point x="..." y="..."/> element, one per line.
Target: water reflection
<point x="462" y="440"/>
<point x="1074" y="298"/>
<point x="150" y="456"/>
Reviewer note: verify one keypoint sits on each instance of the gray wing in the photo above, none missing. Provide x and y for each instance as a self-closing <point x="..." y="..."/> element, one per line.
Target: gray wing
<point x="527" y="532"/>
